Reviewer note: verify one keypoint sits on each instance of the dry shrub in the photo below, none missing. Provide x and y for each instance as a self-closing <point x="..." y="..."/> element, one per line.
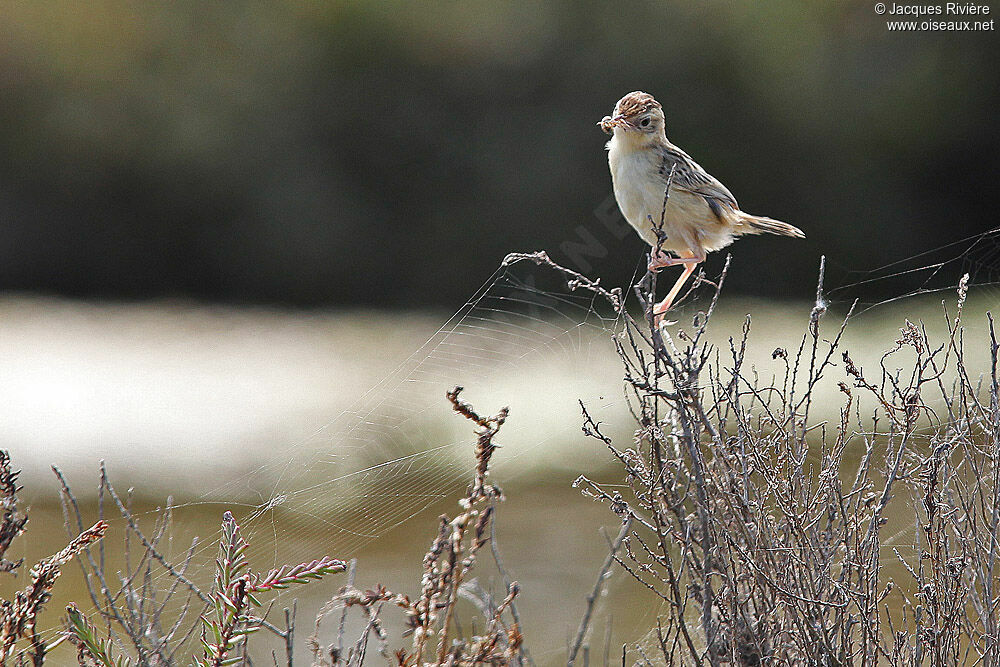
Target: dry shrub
<point x="447" y="568"/>
<point x="761" y="531"/>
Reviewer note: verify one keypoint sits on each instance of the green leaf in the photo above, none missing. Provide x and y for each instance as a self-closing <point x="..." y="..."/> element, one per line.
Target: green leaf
<point x="224" y="599"/>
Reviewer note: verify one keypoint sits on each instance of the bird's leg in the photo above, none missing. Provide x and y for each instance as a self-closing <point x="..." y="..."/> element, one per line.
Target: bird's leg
<point x="662" y="307"/>
<point x="690" y="261"/>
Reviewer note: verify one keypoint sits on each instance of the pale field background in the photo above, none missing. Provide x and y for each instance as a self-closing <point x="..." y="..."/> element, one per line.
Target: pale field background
<point x="229" y="407"/>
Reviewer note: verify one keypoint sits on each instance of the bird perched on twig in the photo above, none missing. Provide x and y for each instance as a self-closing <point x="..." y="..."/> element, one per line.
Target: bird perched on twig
<point x="699" y="216"/>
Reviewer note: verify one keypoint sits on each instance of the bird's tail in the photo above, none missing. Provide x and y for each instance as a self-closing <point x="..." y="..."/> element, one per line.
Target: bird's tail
<point x="754" y="224"/>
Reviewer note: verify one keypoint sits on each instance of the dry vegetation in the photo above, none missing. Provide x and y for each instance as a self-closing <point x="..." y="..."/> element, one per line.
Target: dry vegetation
<point x="760" y="533"/>
<point x="430" y="616"/>
<point x="762" y="544"/>
<point x="147" y="623"/>
<point x="19" y="616"/>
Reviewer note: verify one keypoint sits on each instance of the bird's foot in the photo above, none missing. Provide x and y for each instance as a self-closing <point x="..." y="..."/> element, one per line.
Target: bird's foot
<point x="659" y="260"/>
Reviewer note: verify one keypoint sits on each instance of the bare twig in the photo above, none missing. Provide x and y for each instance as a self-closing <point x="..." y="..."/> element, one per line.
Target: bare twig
<point x="595" y="593"/>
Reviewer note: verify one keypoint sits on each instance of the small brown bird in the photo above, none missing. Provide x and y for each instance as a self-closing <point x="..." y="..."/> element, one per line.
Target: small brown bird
<point x="701" y="213"/>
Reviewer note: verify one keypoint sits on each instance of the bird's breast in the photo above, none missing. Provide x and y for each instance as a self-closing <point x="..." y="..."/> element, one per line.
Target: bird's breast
<point x="638" y="187"/>
<point x="688" y="221"/>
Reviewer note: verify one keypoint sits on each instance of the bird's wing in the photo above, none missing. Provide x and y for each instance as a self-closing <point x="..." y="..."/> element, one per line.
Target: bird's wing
<point x="690" y="177"/>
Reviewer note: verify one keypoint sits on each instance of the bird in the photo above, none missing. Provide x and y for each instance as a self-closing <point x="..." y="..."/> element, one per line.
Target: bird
<point x="699" y="216"/>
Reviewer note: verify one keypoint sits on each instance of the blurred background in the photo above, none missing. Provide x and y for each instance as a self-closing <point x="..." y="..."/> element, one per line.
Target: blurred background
<point x="224" y="223"/>
<point x="357" y="153"/>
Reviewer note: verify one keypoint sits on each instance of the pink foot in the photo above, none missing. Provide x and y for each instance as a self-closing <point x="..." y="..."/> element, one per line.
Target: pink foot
<point x="659" y="260"/>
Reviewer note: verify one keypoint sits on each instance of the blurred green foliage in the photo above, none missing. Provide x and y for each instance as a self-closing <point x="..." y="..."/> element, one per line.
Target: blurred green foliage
<point x="391" y="153"/>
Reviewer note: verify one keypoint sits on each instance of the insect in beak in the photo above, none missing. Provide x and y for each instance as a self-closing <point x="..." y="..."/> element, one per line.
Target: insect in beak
<point x="608" y="123"/>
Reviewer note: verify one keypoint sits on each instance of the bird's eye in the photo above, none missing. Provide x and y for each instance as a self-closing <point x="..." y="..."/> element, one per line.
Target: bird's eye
<point x="644" y="122"/>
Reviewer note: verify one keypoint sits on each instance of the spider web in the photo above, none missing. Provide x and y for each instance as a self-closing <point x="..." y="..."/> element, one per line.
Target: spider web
<point x="929" y="272"/>
<point x="401" y="448"/>
<point x="524" y="340"/>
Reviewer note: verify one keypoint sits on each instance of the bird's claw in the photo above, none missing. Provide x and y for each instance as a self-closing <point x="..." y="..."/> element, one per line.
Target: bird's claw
<point x="659" y="260"/>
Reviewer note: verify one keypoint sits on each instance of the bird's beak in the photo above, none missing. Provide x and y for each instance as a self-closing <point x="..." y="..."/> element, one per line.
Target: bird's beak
<point x="608" y="124"/>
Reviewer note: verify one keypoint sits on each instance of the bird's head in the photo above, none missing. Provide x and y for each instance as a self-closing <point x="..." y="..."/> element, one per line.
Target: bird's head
<point x="638" y="116"/>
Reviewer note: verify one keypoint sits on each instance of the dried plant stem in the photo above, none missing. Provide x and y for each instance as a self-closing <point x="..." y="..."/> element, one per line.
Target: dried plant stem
<point x="595" y="593"/>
